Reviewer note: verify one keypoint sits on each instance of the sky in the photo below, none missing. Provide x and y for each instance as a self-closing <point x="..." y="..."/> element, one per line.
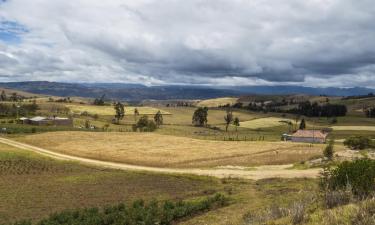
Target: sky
<point x="316" y="43"/>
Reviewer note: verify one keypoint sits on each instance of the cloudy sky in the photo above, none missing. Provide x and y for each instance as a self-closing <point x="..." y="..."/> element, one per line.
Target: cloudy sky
<point x="216" y="42"/>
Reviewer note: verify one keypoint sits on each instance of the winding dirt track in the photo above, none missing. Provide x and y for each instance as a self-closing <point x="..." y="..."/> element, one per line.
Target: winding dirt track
<point x="256" y="173"/>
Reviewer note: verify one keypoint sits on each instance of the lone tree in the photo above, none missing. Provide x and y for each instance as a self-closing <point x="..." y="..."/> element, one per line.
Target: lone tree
<point x="302" y="125"/>
<point x="200" y="116"/>
<point x="3" y="96"/>
<point x="120" y="111"/>
<point x="100" y="101"/>
<point x="228" y="119"/>
<point x="236" y="122"/>
<point x="136" y="114"/>
<point x="158" y="118"/>
<point x="328" y="151"/>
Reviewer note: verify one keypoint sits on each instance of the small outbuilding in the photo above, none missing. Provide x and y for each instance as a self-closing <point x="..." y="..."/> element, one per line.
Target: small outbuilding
<point x="309" y="136"/>
<point x="55" y="121"/>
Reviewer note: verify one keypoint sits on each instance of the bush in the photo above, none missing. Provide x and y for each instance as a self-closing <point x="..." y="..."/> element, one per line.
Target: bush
<point x="358" y="176"/>
<point x="358" y="142"/>
<point x="144" y="124"/>
<point x="328" y="151"/>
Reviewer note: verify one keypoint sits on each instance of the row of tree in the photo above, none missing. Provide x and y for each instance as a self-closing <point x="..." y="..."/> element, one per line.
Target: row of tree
<point x="14" y="97"/>
<point x="315" y="110"/>
<point x="13" y="110"/>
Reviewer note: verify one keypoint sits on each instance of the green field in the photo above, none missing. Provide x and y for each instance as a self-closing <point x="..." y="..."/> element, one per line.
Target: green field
<point x="264" y="123"/>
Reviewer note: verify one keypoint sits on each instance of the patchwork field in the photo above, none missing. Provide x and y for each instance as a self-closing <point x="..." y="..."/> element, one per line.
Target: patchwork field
<point x="264" y="122"/>
<point x="109" y="110"/>
<point x="157" y="150"/>
<point x="216" y="102"/>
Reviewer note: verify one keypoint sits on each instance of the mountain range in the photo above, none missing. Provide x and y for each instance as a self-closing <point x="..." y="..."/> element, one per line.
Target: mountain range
<point x="138" y="92"/>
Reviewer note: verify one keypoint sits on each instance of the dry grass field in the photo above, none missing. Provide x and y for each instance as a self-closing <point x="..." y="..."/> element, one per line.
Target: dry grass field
<point x="150" y="149"/>
<point x="216" y="102"/>
<point x="354" y="128"/>
<point x="263" y="122"/>
<point x="109" y="110"/>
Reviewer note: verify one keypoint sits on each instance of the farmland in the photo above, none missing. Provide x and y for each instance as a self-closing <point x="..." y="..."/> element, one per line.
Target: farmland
<point x="28" y="179"/>
<point x="264" y="122"/>
<point x="167" y="151"/>
<point x="216" y="102"/>
<point x="109" y="111"/>
<point x="251" y="151"/>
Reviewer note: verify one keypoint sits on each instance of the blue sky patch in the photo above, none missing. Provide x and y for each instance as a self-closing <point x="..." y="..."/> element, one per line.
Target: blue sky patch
<point x="11" y="32"/>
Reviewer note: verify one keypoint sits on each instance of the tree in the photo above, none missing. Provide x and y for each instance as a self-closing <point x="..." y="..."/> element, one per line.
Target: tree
<point x="120" y="111"/>
<point x="302" y="125"/>
<point x="228" y="119"/>
<point x="236" y="122"/>
<point x="87" y="124"/>
<point x="329" y="151"/>
<point x="158" y="118"/>
<point x="14" y="97"/>
<point x="99" y="101"/>
<point x="136" y="114"/>
<point x="200" y="116"/>
<point x="3" y="96"/>
<point x="370" y="113"/>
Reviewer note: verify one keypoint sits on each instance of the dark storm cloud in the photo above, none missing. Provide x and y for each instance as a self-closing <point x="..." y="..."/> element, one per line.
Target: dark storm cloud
<point x="311" y="42"/>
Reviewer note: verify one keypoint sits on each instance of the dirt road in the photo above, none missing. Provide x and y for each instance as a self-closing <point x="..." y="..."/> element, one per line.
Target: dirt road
<point x="255" y="173"/>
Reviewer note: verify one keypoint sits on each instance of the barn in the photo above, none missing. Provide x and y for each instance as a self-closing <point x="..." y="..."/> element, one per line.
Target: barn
<point x="309" y="136"/>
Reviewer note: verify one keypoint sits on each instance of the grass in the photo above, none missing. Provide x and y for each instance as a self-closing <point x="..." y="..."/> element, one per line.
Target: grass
<point x="150" y="149"/>
<point x="33" y="186"/>
<point x="354" y="128"/>
<point x="109" y="110"/>
<point x="263" y="122"/>
<point x="216" y="102"/>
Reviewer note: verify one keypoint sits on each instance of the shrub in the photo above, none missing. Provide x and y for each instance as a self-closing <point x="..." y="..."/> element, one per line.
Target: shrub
<point x="137" y="213"/>
<point x="297" y="212"/>
<point x="328" y="151"/>
<point x="358" y="176"/>
<point x="358" y="142"/>
<point x="144" y="124"/>
<point x="365" y="214"/>
<point x="337" y="198"/>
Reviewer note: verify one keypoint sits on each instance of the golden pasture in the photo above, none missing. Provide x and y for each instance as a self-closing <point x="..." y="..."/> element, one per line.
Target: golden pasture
<point x="150" y="149"/>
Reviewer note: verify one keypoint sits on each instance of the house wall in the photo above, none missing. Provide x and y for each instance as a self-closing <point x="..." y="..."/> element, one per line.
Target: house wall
<point x="308" y="140"/>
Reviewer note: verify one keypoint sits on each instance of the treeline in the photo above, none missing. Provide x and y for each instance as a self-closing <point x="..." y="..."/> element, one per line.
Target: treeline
<point x="14" y="97"/>
<point x="12" y="110"/>
<point x="369" y="95"/>
<point x="305" y="108"/>
<point x="314" y="110"/>
<point x="137" y="213"/>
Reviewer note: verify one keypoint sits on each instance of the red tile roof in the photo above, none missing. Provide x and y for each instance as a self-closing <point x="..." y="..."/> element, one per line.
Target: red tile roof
<point x="310" y="133"/>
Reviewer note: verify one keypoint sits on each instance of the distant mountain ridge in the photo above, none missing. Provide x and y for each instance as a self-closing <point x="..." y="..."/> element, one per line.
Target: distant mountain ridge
<point x="138" y="92"/>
